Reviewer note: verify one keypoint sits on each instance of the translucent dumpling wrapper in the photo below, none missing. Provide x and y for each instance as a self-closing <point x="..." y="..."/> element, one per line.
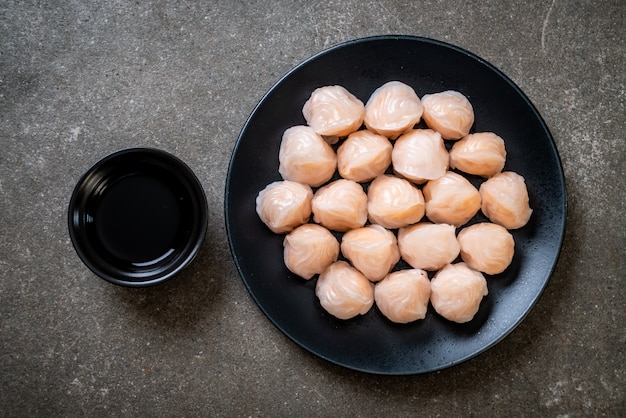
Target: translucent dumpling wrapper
<point x="403" y="295"/>
<point x="482" y="154"/>
<point x="304" y="156"/>
<point x="340" y="205"/>
<point x="420" y="155"/>
<point x="343" y="291"/>
<point x="363" y="156"/>
<point x="393" y="109"/>
<point x="332" y="140"/>
<point x="505" y="200"/>
<point x="428" y="246"/>
<point x="309" y="250"/>
<point x="333" y="111"/>
<point x="373" y="250"/>
<point x="394" y="202"/>
<point x="449" y="113"/>
<point x="451" y="199"/>
<point x="456" y="292"/>
<point x="284" y="205"/>
<point x="487" y="247"/>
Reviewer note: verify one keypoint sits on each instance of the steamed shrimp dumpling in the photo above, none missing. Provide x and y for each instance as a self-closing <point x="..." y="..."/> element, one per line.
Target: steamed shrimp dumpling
<point x="449" y="113"/>
<point x="451" y="199"/>
<point x="393" y="109"/>
<point x="284" y="205"/>
<point x="304" y="156"/>
<point x="403" y="295"/>
<point x="482" y="154"/>
<point x="340" y="205"/>
<point x="505" y="200"/>
<point x="428" y="246"/>
<point x="309" y="250"/>
<point x="456" y="292"/>
<point x="373" y="250"/>
<point x="333" y="111"/>
<point x="487" y="247"/>
<point x="343" y="291"/>
<point x="363" y="156"/>
<point x="420" y="155"/>
<point x="394" y="202"/>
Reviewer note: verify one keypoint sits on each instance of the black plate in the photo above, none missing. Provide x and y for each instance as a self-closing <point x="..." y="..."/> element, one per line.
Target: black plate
<point x="371" y="343"/>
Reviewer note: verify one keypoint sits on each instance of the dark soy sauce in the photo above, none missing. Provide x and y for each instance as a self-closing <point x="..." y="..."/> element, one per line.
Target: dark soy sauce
<point x="138" y="218"/>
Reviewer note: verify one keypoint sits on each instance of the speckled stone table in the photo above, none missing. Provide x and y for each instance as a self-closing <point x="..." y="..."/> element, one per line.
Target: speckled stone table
<point x="79" y="80"/>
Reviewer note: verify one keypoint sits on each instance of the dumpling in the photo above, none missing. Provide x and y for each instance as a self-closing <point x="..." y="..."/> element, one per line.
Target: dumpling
<point x="451" y="199"/>
<point x="340" y="205"/>
<point x="428" y="246"/>
<point x="363" y="156"/>
<point x="449" y="113"/>
<point x="284" y="205"/>
<point x="482" y="154"/>
<point x="420" y="155"/>
<point x="373" y="250"/>
<point x="394" y="202"/>
<point x="487" y="247"/>
<point x="305" y="157"/>
<point x="393" y="109"/>
<point x="505" y="200"/>
<point x="403" y="295"/>
<point x="456" y="292"/>
<point x="333" y="111"/>
<point x="343" y="291"/>
<point x="309" y="250"/>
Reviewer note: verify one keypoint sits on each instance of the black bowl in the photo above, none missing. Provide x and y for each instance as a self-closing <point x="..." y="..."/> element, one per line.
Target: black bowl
<point x="138" y="217"/>
<point x="370" y="342"/>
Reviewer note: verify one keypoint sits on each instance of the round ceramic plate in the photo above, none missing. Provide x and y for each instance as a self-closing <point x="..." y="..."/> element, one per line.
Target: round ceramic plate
<point x="371" y="343"/>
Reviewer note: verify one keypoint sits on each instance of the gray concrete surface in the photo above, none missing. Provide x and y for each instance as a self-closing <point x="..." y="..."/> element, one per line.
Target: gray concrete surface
<point x="79" y="79"/>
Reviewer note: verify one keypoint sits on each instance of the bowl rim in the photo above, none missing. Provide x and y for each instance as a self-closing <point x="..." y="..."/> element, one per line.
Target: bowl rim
<point x="173" y="166"/>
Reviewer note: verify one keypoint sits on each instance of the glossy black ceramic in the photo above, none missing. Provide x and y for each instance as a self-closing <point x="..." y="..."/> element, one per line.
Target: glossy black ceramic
<point x="138" y="217"/>
<point x="371" y="343"/>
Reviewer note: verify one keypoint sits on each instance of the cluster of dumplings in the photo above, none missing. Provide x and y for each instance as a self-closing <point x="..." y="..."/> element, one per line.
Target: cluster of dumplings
<point x="398" y="196"/>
